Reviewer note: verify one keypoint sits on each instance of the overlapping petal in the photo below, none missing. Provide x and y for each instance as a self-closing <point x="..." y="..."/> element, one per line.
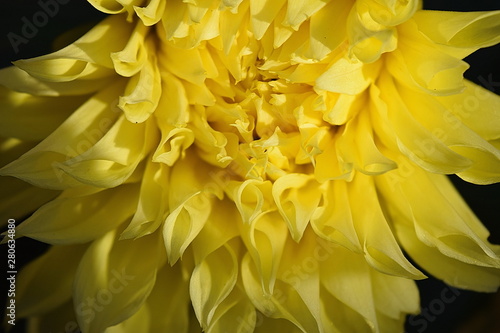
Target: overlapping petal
<point x="251" y="165"/>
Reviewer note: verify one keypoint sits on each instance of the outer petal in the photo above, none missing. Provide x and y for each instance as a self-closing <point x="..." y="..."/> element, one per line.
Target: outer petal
<point x="38" y="291"/>
<point x="40" y="115"/>
<point x="51" y="224"/>
<point x="265" y="240"/>
<point x="469" y="30"/>
<point x="169" y="302"/>
<point x="380" y="247"/>
<point x="476" y="107"/>
<point x="80" y="131"/>
<point x="212" y="281"/>
<point x="457" y="251"/>
<point x="86" y="58"/>
<point x="114" y="279"/>
<point x="114" y="158"/>
<point x="287" y="304"/>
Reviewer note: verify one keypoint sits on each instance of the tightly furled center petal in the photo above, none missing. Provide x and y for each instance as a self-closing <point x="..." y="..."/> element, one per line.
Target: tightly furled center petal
<point x="252" y="165"/>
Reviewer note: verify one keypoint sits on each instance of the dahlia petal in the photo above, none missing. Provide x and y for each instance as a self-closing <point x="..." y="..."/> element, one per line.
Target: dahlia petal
<point x="458" y="137"/>
<point x="230" y="24"/>
<point x="152" y="204"/>
<point x="142" y="93"/>
<point x="116" y="6"/>
<point x="296" y="198"/>
<point x="138" y="322"/>
<point x="394" y="296"/>
<point x="86" y="58"/>
<point x="313" y="142"/>
<point x="323" y="41"/>
<point x="389" y="12"/>
<point x="16" y="79"/>
<point x="36" y="281"/>
<point x="460" y="235"/>
<point x="197" y="10"/>
<point x="119" y="271"/>
<point x="344" y="77"/>
<point x="281" y="32"/>
<point x="443" y="75"/>
<point x="387" y="324"/>
<point x="19" y="111"/>
<point x="12" y="148"/>
<point x="184" y="223"/>
<point x="211" y="282"/>
<point x="173" y="20"/>
<point x="339" y="317"/>
<point x="472" y="30"/>
<point x="216" y="232"/>
<point x="80" y="131"/>
<point x="60" y="318"/>
<point x="197" y="94"/>
<point x="368" y="39"/>
<point x="252" y="198"/>
<point x="286" y="304"/>
<point x="346" y="276"/>
<point x="168" y="302"/>
<point x="336" y="225"/>
<point x="298" y="11"/>
<point x="207" y="29"/>
<point x="341" y="107"/>
<point x="186" y="64"/>
<point x="231" y="4"/>
<point x="485" y="168"/>
<point x="235" y="314"/>
<point x="265" y="240"/>
<point x="151" y="13"/>
<point x="227" y="117"/>
<point x="49" y="223"/>
<point x="173" y="145"/>
<point x="356" y="145"/>
<point x="267" y="125"/>
<point x="118" y="151"/>
<point x="329" y="167"/>
<point x="59" y="69"/>
<point x="415" y="141"/>
<point x="190" y="205"/>
<point x="133" y="57"/>
<point x="215" y="147"/>
<point x="19" y="199"/>
<point x="380" y="247"/>
<point x="482" y="279"/>
<point x="476" y="107"/>
<point x="263" y="13"/>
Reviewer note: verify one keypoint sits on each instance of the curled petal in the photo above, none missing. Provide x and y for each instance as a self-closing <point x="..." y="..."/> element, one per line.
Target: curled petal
<point x="142" y="93"/>
<point x="296" y="197"/>
<point x="212" y="281"/>
<point x="265" y="239"/>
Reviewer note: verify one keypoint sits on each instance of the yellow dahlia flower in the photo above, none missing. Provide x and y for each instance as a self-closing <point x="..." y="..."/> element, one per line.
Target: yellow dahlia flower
<point x="250" y="165"/>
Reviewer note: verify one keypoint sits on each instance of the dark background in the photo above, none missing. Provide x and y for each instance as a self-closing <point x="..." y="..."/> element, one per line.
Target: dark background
<point x="470" y="312"/>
